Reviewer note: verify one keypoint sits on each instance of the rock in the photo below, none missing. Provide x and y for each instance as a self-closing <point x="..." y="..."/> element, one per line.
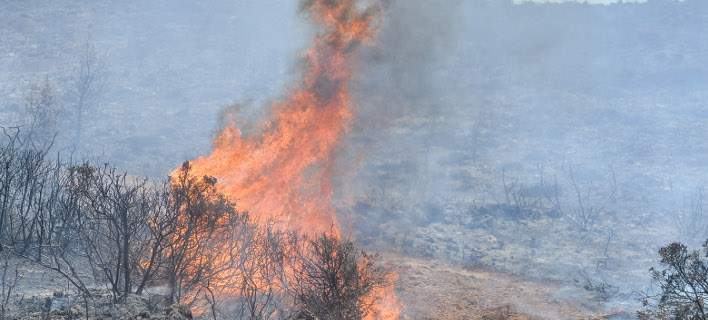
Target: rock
<point x="179" y="312"/>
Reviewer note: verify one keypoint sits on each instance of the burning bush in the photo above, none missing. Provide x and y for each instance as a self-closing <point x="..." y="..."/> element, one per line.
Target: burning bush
<point x="186" y="234"/>
<point x="200" y="226"/>
<point x="334" y="280"/>
<point x="96" y="225"/>
<point x="283" y="174"/>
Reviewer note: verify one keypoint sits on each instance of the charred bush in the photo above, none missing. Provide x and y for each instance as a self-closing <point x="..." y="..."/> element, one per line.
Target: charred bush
<point x="530" y="200"/>
<point x="42" y="112"/>
<point x="690" y="220"/>
<point x="333" y="280"/>
<point x="682" y="284"/>
<point x="598" y="286"/>
<point x="9" y="277"/>
<point x="95" y="225"/>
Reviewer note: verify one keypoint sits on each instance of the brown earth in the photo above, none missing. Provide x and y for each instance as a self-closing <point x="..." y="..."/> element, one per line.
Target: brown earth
<point x="434" y="290"/>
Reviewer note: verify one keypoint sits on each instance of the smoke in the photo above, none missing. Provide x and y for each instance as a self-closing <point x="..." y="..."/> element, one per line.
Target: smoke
<point x="452" y="96"/>
<point x="592" y="2"/>
<point x="449" y="95"/>
<point x="402" y="77"/>
<point x="451" y="83"/>
<point x="416" y="37"/>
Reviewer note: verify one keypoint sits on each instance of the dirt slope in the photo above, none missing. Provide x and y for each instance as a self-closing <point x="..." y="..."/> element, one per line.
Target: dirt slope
<point x="433" y="290"/>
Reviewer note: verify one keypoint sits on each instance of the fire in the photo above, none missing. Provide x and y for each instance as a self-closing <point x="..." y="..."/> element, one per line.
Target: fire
<point x="284" y="175"/>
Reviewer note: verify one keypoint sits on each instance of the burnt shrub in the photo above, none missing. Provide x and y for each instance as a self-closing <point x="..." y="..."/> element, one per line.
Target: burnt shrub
<point x="335" y="280"/>
<point x="682" y="283"/>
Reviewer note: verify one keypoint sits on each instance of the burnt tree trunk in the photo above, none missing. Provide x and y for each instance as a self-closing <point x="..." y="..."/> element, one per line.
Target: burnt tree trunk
<point x="126" y="252"/>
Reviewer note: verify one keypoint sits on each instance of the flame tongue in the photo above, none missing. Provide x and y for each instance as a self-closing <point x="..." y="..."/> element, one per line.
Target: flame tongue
<point x="284" y="175"/>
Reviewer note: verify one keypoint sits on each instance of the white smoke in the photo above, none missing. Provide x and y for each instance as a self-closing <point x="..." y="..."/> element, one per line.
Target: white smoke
<point x="591" y="2"/>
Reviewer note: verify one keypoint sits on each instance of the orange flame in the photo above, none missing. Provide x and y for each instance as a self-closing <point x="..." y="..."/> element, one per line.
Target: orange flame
<point x="284" y="175"/>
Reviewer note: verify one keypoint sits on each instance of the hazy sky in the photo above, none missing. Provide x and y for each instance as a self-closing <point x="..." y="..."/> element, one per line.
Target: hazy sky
<point x="602" y="2"/>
